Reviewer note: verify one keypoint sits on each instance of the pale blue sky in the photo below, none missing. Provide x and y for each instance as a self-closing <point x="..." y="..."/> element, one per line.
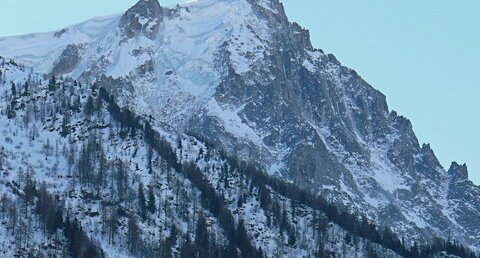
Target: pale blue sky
<point x="424" y="55"/>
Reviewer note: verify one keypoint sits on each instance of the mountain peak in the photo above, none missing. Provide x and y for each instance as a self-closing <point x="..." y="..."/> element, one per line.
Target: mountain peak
<point x="458" y="172"/>
<point x="143" y="18"/>
<point x="238" y="75"/>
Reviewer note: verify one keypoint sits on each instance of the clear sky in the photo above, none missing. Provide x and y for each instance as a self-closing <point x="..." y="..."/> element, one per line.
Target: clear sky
<point x="424" y="55"/>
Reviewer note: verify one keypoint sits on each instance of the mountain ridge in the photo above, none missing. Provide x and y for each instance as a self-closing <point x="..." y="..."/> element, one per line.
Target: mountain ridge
<point x="262" y="92"/>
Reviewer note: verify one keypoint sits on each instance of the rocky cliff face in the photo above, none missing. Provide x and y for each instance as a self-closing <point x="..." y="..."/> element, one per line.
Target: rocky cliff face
<point x="238" y="74"/>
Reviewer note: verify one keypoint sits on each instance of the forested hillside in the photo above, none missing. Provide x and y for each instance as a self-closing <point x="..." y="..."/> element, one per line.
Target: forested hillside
<point x="82" y="176"/>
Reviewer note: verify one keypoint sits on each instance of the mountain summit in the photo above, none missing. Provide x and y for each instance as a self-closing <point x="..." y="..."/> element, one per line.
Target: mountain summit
<point x="142" y="19"/>
<point x="458" y="172"/>
<point x="237" y="75"/>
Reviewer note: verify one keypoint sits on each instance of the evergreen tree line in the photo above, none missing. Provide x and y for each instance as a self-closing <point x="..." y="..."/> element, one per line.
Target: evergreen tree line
<point x="351" y="223"/>
<point x="51" y="214"/>
<point x="53" y="220"/>
<point x="50" y="210"/>
<point x="79" y="244"/>
<point x="236" y="234"/>
<point x="359" y="227"/>
<point x="92" y="169"/>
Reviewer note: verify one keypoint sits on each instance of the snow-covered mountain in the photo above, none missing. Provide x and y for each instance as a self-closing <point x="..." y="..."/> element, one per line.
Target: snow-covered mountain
<point x="81" y="177"/>
<point x="237" y="75"/>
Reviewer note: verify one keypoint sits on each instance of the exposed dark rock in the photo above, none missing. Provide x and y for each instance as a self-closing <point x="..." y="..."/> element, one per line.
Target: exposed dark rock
<point x="68" y="60"/>
<point x="458" y="172"/>
<point x="59" y="33"/>
<point x="144" y="18"/>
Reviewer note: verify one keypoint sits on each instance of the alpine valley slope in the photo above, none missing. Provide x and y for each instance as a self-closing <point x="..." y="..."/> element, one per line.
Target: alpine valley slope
<point x="81" y="177"/>
<point x="237" y="74"/>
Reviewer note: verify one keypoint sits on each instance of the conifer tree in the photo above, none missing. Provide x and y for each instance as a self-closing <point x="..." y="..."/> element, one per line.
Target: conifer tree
<point x="89" y="106"/>
<point x="52" y="83"/>
<point x="142" y="202"/>
<point x="133" y="235"/>
<point x="14" y="89"/>
<point x="151" y="200"/>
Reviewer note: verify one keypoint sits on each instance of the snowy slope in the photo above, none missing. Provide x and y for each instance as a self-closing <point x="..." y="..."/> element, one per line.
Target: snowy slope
<point x="40" y="51"/>
<point x="178" y="64"/>
<point x="36" y="152"/>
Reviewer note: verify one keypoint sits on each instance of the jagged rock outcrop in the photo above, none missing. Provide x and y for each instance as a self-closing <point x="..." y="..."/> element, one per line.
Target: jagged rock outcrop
<point x="458" y="172"/>
<point x="68" y="60"/>
<point x="144" y="18"/>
